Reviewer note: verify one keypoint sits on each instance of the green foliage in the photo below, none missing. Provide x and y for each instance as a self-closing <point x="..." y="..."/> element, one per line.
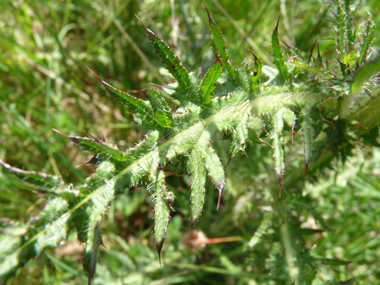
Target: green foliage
<point x="184" y="119"/>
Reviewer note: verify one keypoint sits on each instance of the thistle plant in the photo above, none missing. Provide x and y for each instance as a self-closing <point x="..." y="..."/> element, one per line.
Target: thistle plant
<point x="331" y="105"/>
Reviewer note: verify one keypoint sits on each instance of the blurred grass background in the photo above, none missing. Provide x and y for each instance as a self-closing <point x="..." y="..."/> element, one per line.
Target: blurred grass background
<point x="45" y="47"/>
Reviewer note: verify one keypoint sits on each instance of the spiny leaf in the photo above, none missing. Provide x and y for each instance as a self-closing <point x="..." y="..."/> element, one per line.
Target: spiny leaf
<point x="278" y="56"/>
<point x="312" y="69"/>
<point x="169" y="59"/>
<point x="141" y="110"/>
<point x="91" y="254"/>
<point x="101" y="189"/>
<point x="244" y="76"/>
<point x="254" y="123"/>
<point x="367" y="39"/>
<point x="221" y="46"/>
<point x="148" y="143"/>
<point x="209" y="81"/>
<point x="277" y="142"/>
<point x="260" y="231"/>
<point x="101" y="149"/>
<point x="307" y="133"/>
<point x="214" y="168"/>
<point x="162" y="111"/>
<point x="43" y="181"/>
<point x="289" y="117"/>
<point x="368" y="70"/>
<point x="174" y="66"/>
<point x="54" y="219"/>
<point x="349" y="20"/>
<point x="255" y="78"/>
<point x="198" y="184"/>
<point x="239" y="136"/>
<point x="161" y="210"/>
<point x="341" y="27"/>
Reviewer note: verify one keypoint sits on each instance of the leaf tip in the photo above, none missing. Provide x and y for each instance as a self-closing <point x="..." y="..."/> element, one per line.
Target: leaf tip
<point x="219" y="186"/>
<point x="59" y="132"/>
<point x="278" y="21"/>
<point x="203" y="64"/>
<point x="229" y="160"/>
<point x="159" y="246"/>
<point x="156" y="85"/>
<point x="312" y="48"/>
<point x="208" y="13"/>
<point x="146" y="28"/>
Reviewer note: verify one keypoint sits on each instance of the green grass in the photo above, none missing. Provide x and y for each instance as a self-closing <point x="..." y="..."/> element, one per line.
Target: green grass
<point x="45" y="47"/>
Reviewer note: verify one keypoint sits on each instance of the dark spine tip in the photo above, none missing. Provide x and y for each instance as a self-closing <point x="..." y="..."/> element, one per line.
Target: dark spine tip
<point x="216" y="55"/>
<point x="256" y="58"/>
<point x="306" y="169"/>
<point x="229" y="160"/>
<point x="278" y="21"/>
<point x="208" y="13"/>
<point x="312" y="49"/>
<point x="193" y="222"/>
<point x="91" y="136"/>
<point x="67" y="136"/>
<point x="142" y="23"/>
<point x="288" y="46"/>
<point x="203" y="64"/>
<point x="159" y="248"/>
<point x="102" y="243"/>
<point x="360" y="125"/>
<point x="95" y="74"/>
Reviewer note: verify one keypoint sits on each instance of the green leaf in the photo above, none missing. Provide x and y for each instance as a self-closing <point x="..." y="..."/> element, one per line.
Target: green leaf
<point x="174" y="66"/>
<point x="162" y="209"/>
<point x="198" y="184"/>
<point x="341" y="17"/>
<point x="255" y="78"/>
<point x="368" y="70"/>
<point x="100" y="190"/>
<point x="147" y="144"/>
<point x="162" y="111"/>
<point x="101" y="149"/>
<point x="239" y="136"/>
<point x="260" y="231"/>
<point x="307" y="133"/>
<point x="209" y="81"/>
<point x="214" y="168"/>
<point x="141" y="110"/>
<point x="254" y="123"/>
<point x="277" y="142"/>
<point x="367" y="39"/>
<point x="289" y="117"/>
<point x="221" y="47"/>
<point x="42" y="181"/>
<point x="91" y="254"/>
<point x="54" y="219"/>
<point x="278" y="56"/>
<point x="244" y="77"/>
